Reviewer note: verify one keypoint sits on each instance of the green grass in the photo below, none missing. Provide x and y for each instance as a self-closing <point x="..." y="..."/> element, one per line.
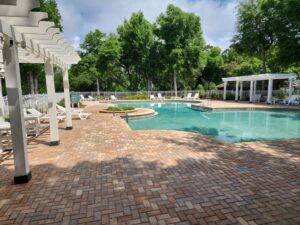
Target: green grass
<point x="119" y="108"/>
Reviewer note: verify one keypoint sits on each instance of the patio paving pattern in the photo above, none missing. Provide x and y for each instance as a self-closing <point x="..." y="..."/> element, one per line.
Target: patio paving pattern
<point x="105" y="173"/>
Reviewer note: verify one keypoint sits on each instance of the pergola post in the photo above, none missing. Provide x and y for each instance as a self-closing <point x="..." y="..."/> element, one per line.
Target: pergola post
<point x="69" y="125"/>
<point x="16" y="111"/>
<point x="255" y="87"/>
<point x="2" y="112"/>
<point x="251" y="91"/>
<point x="290" y="87"/>
<point x="241" y="91"/>
<point x="225" y="90"/>
<point x="54" y="136"/>
<point x="270" y="91"/>
<point x="237" y="91"/>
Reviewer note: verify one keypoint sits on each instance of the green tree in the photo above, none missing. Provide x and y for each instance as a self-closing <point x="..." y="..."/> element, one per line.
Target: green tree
<point x="182" y="43"/>
<point x="213" y="70"/>
<point x="50" y="7"/>
<point x="287" y="30"/>
<point x="255" y="29"/>
<point x="137" y="40"/>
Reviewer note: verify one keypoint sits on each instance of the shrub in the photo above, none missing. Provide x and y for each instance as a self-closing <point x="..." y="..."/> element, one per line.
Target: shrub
<point x="119" y="108"/>
<point x="136" y="97"/>
<point x="280" y="94"/>
<point x="201" y="90"/>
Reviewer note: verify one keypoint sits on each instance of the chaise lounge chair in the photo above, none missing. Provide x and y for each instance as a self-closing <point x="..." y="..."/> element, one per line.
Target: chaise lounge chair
<point x="90" y="98"/>
<point x="292" y="100"/>
<point x="189" y="96"/>
<point x="113" y="98"/>
<point x="76" y="114"/>
<point x="196" y="96"/>
<point x="159" y="96"/>
<point x="44" y="117"/>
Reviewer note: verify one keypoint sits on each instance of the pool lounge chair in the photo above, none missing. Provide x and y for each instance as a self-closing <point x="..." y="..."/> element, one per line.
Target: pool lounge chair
<point x="196" y="96"/>
<point x="152" y="97"/>
<point x="113" y="98"/>
<point x="189" y="96"/>
<point x="75" y="113"/>
<point x="91" y="98"/>
<point x="292" y="100"/>
<point x="256" y="98"/>
<point x="44" y="117"/>
<point x="82" y="98"/>
<point x="159" y="96"/>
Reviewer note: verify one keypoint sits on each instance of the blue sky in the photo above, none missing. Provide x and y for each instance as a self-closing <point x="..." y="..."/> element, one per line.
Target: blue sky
<point x="82" y="16"/>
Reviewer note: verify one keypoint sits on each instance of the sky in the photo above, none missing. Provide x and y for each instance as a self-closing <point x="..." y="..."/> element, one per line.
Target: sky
<point x="82" y="16"/>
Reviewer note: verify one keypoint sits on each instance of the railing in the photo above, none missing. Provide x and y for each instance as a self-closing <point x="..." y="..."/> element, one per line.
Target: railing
<point x="39" y="101"/>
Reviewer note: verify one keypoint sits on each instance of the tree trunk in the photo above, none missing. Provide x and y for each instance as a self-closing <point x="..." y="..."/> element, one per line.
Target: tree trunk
<point x="175" y="84"/>
<point x="31" y="87"/>
<point x="98" y="87"/>
<point x="36" y="84"/>
<point x="264" y="67"/>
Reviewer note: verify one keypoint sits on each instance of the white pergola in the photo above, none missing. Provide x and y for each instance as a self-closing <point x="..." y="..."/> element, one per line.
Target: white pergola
<point x="27" y="38"/>
<point x="253" y="79"/>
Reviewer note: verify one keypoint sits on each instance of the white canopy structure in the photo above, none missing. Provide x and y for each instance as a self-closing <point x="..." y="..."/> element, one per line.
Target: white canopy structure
<point x="27" y="38"/>
<point x="253" y="79"/>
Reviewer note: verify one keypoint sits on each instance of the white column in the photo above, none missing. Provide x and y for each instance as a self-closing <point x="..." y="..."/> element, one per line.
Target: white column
<point x="16" y="111"/>
<point x="237" y="91"/>
<point x="2" y="111"/>
<point x="241" y="91"/>
<point x="225" y="90"/>
<point x="69" y="124"/>
<point x="270" y="91"/>
<point x="54" y="137"/>
<point x="255" y="87"/>
<point x="290" y="87"/>
<point x="251" y="91"/>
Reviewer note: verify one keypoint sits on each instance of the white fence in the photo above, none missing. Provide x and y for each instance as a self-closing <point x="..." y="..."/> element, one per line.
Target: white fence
<point x="39" y="101"/>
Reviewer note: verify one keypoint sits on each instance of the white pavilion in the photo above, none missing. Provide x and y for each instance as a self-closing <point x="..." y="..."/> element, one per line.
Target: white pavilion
<point x="240" y="80"/>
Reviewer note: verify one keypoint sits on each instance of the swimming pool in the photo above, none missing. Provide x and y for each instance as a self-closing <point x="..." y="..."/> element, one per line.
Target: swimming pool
<point x="228" y="126"/>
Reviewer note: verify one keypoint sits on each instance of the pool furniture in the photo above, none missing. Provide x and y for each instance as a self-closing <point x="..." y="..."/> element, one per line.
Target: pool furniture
<point x="292" y="100"/>
<point x="5" y="136"/>
<point x="82" y="98"/>
<point x="196" y="96"/>
<point x="256" y="98"/>
<point x="152" y="97"/>
<point x="90" y="98"/>
<point x="44" y="117"/>
<point x="159" y="96"/>
<point x="75" y="113"/>
<point x="189" y="96"/>
<point x="113" y="98"/>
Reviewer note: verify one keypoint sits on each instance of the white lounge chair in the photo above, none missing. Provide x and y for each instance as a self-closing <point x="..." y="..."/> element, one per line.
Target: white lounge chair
<point x="44" y="117"/>
<point x="292" y="100"/>
<point x="256" y="98"/>
<point x="189" y="96"/>
<point x="159" y="96"/>
<point x="82" y="98"/>
<point x="75" y="113"/>
<point x="114" y="98"/>
<point x="91" y="98"/>
<point x="196" y="96"/>
<point x="152" y="97"/>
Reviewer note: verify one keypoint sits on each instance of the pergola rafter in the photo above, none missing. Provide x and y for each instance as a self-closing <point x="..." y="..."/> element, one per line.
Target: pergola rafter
<point x="26" y="38"/>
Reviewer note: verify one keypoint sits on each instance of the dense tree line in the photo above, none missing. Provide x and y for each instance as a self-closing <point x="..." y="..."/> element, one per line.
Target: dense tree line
<point x="171" y="53"/>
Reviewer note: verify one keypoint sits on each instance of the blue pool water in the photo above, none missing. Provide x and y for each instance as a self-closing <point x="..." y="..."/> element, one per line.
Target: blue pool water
<point x="228" y="126"/>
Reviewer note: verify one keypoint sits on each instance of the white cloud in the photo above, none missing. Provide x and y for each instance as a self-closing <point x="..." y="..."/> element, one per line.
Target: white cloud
<point x="76" y="42"/>
<point x="82" y="16"/>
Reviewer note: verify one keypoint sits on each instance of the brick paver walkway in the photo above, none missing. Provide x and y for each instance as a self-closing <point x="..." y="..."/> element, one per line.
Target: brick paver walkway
<point x="104" y="173"/>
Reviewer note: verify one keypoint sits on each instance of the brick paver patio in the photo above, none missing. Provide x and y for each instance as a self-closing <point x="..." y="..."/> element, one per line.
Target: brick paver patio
<point x="104" y="173"/>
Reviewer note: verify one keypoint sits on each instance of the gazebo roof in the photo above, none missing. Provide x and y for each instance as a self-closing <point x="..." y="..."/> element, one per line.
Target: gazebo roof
<point x="267" y="76"/>
<point x="37" y="40"/>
